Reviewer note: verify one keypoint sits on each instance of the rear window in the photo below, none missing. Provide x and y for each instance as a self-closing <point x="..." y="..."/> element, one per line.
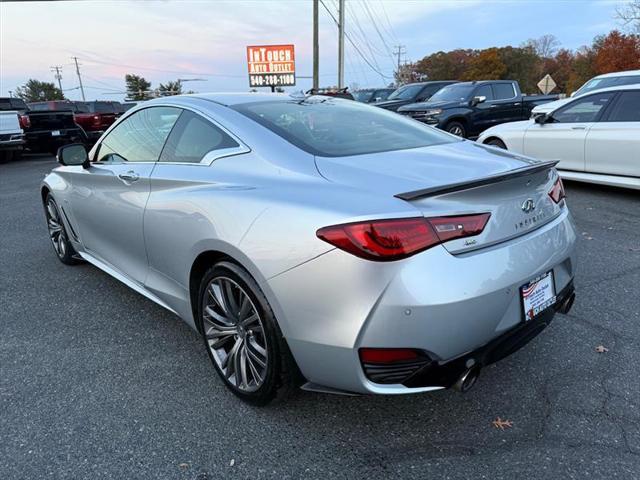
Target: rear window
<point x="101" y="107"/>
<point x="335" y="128"/>
<point x="12" y="104"/>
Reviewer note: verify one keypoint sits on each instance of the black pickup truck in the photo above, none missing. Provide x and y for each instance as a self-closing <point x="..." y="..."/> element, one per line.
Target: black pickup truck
<point x="468" y="108"/>
<point x="412" y="93"/>
<point x="45" y="131"/>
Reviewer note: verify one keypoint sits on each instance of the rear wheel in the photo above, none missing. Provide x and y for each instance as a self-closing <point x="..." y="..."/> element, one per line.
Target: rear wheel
<point x="58" y="234"/>
<point x="456" y="128"/>
<point x="494" y="142"/>
<point x="242" y="337"/>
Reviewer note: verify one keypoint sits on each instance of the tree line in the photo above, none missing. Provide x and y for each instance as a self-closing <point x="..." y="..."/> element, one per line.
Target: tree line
<point x="529" y="62"/>
<point x="136" y="86"/>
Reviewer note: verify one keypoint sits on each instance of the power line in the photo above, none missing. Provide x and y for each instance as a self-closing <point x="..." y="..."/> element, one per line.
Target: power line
<point x="384" y="77"/>
<point x="400" y="50"/>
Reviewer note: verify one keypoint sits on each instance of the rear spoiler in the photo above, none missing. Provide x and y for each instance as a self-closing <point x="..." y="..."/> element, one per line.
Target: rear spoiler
<point x="478" y="182"/>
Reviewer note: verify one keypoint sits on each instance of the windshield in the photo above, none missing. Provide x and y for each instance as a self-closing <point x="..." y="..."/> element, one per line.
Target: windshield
<point x="453" y="93"/>
<point x="335" y="128"/>
<point x="101" y="107"/>
<point x="363" y="95"/>
<point x="596" y="83"/>
<point x="406" y="92"/>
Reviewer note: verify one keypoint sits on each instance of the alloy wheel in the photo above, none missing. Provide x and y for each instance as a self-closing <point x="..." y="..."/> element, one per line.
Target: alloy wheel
<point x="56" y="229"/>
<point x="456" y="130"/>
<point x="235" y="334"/>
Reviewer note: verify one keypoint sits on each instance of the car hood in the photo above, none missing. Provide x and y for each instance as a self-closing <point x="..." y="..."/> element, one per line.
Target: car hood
<point x="391" y="103"/>
<point x="428" y="106"/>
<point x="550" y="106"/>
<point x="400" y="171"/>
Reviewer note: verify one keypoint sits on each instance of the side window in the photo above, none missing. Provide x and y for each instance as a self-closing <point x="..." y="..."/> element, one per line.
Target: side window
<point x="503" y="91"/>
<point x="192" y="138"/>
<point x="627" y="108"/>
<point x="484" y="91"/>
<point x="428" y="91"/>
<point x="140" y="137"/>
<point x="584" y="109"/>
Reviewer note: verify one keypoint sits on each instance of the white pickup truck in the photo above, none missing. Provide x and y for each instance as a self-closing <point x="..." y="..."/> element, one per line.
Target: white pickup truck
<point x="11" y="135"/>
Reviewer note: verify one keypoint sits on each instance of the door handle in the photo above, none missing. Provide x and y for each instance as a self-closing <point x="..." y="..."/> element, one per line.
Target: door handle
<point x="579" y="127"/>
<point x="516" y="104"/>
<point x="130" y="176"/>
<point x="493" y="106"/>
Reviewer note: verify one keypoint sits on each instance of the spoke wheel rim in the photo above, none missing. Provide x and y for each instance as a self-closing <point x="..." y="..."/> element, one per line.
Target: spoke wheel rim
<point x="56" y="229"/>
<point x="456" y="131"/>
<point x="234" y="334"/>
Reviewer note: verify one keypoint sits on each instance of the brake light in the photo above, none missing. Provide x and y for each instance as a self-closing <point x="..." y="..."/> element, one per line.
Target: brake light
<point x="387" y="240"/>
<point x="24" y="121"/>
<point x="557" y="191"/>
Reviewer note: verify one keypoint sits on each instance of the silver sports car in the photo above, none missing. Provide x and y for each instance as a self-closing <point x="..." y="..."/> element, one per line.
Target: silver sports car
<point x="320" y="242"/>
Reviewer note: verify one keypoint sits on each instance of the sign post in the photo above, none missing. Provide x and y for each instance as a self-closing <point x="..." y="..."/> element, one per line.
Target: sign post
<point x="547" y="84"/>
<point x="271" y="66"/>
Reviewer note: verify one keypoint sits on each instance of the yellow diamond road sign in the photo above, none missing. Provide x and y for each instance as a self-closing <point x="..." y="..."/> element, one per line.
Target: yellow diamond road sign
<point x="546" y="85"/>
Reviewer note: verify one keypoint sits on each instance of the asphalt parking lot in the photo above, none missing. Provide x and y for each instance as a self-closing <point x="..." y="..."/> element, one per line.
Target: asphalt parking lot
<point x="98" y="382"/>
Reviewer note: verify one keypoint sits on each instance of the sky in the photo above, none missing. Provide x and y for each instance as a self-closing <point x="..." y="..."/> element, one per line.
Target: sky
<point x="166" y="40"/>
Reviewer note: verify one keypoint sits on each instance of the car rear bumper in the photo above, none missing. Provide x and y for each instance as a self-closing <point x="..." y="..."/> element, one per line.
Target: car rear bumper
<point x="441" y="304"/>
<point x="11" y="141"/>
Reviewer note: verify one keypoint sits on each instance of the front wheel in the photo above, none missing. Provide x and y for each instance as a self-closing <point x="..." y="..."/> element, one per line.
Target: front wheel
<point x="58" y="234"/>
<point x="242" y="337"/>
<point x="457" y="129"/>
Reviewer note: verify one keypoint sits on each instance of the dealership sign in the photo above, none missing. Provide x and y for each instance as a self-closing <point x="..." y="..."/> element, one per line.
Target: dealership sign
<point x="271" y="66"/>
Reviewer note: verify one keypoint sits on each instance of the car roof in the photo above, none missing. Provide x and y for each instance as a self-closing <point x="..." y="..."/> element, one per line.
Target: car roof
<point x="632" y="86"/>
<point x="627" y="73"/>
<point x="237" y="98"/>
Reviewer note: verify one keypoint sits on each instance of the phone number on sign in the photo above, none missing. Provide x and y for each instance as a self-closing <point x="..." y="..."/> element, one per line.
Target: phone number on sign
<point x="275" y="80"/>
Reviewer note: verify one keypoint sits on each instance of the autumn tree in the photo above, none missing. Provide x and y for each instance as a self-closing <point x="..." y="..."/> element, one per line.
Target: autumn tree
<point x="35" y="91"/>
<point x="545" y="47"/>
<point x="629" y="14"/>
<point x="523" y="65"/>
<point x="445" y="65"/>
<point x="486" y="65"/>
<point x="616" y="52"/>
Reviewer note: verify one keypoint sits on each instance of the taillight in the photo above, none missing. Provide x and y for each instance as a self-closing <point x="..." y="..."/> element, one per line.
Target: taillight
<point x="25" y="121"/>
<point x="387" y="240"/>
<point x="557" y="191"/>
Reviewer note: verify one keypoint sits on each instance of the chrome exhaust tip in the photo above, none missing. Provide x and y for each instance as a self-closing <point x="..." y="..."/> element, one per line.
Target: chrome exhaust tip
<point x="467" y="380"/>
<point x="567" y="304"/>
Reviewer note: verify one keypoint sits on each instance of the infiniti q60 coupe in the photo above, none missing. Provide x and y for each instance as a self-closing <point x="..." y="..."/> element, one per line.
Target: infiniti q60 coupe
<point x="317" y="242"/>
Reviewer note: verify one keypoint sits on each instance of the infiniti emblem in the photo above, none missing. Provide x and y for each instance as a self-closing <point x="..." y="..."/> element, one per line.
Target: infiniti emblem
<point x="528" y="206"/>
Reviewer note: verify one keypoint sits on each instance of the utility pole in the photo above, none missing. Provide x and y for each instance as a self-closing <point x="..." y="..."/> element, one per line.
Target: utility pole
<point x="316" y="48"/>
<point x="341" y="44"/>
<point x="400" y="50"/>
<point x="58" y="75"/>
<point x="75" y="59"/>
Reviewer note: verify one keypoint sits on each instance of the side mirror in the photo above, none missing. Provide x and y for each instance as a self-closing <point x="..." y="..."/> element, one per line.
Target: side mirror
<point x="542" y="118"/>
<point x="479" y="99"/>
<point x="73" y="154"/>
<point x="572" y="94"/>
<point x="377" y="99"/>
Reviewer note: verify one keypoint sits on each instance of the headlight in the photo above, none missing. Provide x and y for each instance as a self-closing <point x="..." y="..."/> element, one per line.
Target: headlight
<point x="435" y="111"/>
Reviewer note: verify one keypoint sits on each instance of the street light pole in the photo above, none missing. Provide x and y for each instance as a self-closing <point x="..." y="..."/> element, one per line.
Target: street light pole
<point x="316" y="48"/>
<point x="341" y="44"/>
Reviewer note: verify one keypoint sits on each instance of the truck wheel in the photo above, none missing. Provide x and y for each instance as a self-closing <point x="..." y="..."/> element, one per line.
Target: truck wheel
<point x="456" y="128"/>
<point x="494" y="142"/>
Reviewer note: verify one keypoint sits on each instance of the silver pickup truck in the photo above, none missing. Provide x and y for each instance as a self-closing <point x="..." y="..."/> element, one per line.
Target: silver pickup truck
<point x="11" y="134"/>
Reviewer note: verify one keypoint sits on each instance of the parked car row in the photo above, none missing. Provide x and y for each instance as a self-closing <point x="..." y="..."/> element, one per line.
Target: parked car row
<point x="45" y="126"/>
<point x="594" y="134"/>
<point x="595" y="137"/>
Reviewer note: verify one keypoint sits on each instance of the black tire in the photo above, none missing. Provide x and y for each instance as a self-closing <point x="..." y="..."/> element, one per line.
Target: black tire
<point x="281" y="373"/>
<point x="58" y="233"/>
<point x="457" y="129"/>
<point x="495" y="142"/>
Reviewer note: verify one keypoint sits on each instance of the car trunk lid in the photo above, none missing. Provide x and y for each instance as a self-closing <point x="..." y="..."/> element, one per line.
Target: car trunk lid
<point x="461" y="178"/>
